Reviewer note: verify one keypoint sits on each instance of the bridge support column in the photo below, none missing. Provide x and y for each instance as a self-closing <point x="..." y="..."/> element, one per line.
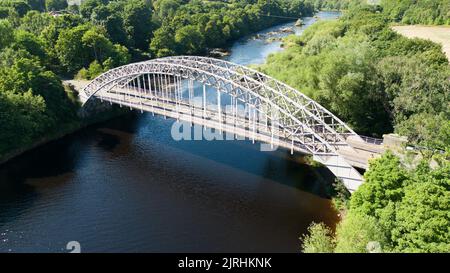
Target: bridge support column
<point x="204" y="107"/>
<point x="129" y="94"/>
<point x="153" y="94"/>
<point x="234" y="107"/>
<point x="158" y="89"/>
<point x="233" y="117"/>
<point x="219" y="109"/>
<point x="272" y="128"/>
<point x="166" y="93"/>
<point x="150" y="91"/>
<point x="177" y="93"/>
<point x="254" y="124"/>
<point x="144" y="87"/>
<point x="140" y="93"/>
<point x="190" y="91"/>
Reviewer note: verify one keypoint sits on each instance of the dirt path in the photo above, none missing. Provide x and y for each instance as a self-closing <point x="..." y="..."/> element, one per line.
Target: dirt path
<point x="438" y="34"/>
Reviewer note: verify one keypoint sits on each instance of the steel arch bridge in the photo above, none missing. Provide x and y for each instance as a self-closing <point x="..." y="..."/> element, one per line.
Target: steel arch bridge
<point x="273" y="112"/>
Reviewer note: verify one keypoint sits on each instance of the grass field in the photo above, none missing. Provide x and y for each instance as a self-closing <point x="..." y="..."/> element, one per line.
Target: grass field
<point x="438" y="34"/>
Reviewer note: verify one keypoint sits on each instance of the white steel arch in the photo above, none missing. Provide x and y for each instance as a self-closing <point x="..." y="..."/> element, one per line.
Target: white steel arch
<point x="304" y="125"/>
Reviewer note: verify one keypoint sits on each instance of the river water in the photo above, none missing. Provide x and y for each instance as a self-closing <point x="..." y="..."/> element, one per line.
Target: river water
<point x="127" y="186"/>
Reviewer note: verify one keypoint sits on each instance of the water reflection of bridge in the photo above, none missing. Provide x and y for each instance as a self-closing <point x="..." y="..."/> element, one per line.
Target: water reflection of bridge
<point x="240" y="101"/>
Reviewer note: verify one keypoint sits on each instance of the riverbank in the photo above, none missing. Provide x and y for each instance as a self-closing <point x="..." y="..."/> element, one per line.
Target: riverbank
<point x="66" y="130"/>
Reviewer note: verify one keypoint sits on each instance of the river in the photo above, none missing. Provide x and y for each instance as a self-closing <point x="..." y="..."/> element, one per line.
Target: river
<point x="126" y="186"/>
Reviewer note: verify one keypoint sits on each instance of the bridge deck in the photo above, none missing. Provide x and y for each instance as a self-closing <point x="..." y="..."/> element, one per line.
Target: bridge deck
<point x="358" y="154"/>
<point x="273" y="112"/>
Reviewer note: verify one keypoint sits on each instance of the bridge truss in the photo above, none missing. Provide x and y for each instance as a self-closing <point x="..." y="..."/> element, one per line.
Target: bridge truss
<point x="274" y="112"/>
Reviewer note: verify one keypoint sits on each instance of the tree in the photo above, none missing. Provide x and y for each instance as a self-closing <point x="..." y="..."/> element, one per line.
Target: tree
<point x="115" y="28"/>
<point x="319" y="239"/>
<point x="96" y="42"/>
<point x="383" y="183"/>
<point x="423" y="219"/>
<point x="166" y="8"/>
<point x="35" y="22"/>
<point x="189" y="40"/>
<point x="137" y="21"/>
<point x="88" y="6"/>
<point x="163" y="42"/>
<point x="55" y="5"/>
<point x="38" y="5"/>
<point x="432" y="132"/>
<point x="6" y="34"/>
<point x="70" y="50"/>
<point x="32" y="44"/>
<point x="18" y="6"/>
<point x="24" y="113"/>
<point x="355" y="233"/>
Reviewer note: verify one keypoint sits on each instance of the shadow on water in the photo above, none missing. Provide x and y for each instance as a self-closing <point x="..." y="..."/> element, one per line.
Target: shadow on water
<point x="279" y="165"/>
<point x="58" y="159"/>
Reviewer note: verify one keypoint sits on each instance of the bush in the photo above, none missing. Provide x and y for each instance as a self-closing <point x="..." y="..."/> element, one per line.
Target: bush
<point x="319" y="239"/>
<point x="355" y="233"/>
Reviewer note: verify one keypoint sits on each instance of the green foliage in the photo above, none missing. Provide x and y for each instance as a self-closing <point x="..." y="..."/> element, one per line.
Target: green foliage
<point x="418" y="12"/>
<point x="423" y="217"/>
<point x="411" y="207"/>
<point x="137" y="22"/>
<point x="355" y="233"/>
<point x="35" y="22"/>
<point x="70" y="50"/>
<point x="167" y="8"/>
<point x="55" y="5"/>
<point x="188" y="38"/>
<point x="27" y="41"/>
<point x="22" y="119"/>
<point x="318" y="240"/>
<point x="383" y="183"/>
<point x="38" y="5"/>
<point x="95" y="69"/>
<point x="77" y="47"/>
<point x="427" y="130"/>
<point x="341" y="196"/>
<point x="401" y="210"/>
<point x="33" y="100"/>
<point x="6" y="34"/>
<point x="19" y="6"/>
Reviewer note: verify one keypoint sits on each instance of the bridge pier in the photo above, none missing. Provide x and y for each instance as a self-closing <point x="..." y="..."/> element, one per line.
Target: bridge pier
<point x="204" y="106"/>
<point x="219" y="110"/>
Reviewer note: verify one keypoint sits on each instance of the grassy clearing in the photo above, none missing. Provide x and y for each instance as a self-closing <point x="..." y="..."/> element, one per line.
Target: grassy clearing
<point x="437" y="34"/>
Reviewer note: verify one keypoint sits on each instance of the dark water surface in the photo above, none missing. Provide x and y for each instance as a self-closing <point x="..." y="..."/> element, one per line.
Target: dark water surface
<point x="127" y="186"/>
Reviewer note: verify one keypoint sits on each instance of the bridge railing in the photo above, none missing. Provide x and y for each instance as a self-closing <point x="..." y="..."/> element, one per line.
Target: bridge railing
<point x="372" y="140"/>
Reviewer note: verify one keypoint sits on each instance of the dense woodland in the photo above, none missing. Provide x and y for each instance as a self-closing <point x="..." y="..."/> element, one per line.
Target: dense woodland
<point x="43" y="41"/>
